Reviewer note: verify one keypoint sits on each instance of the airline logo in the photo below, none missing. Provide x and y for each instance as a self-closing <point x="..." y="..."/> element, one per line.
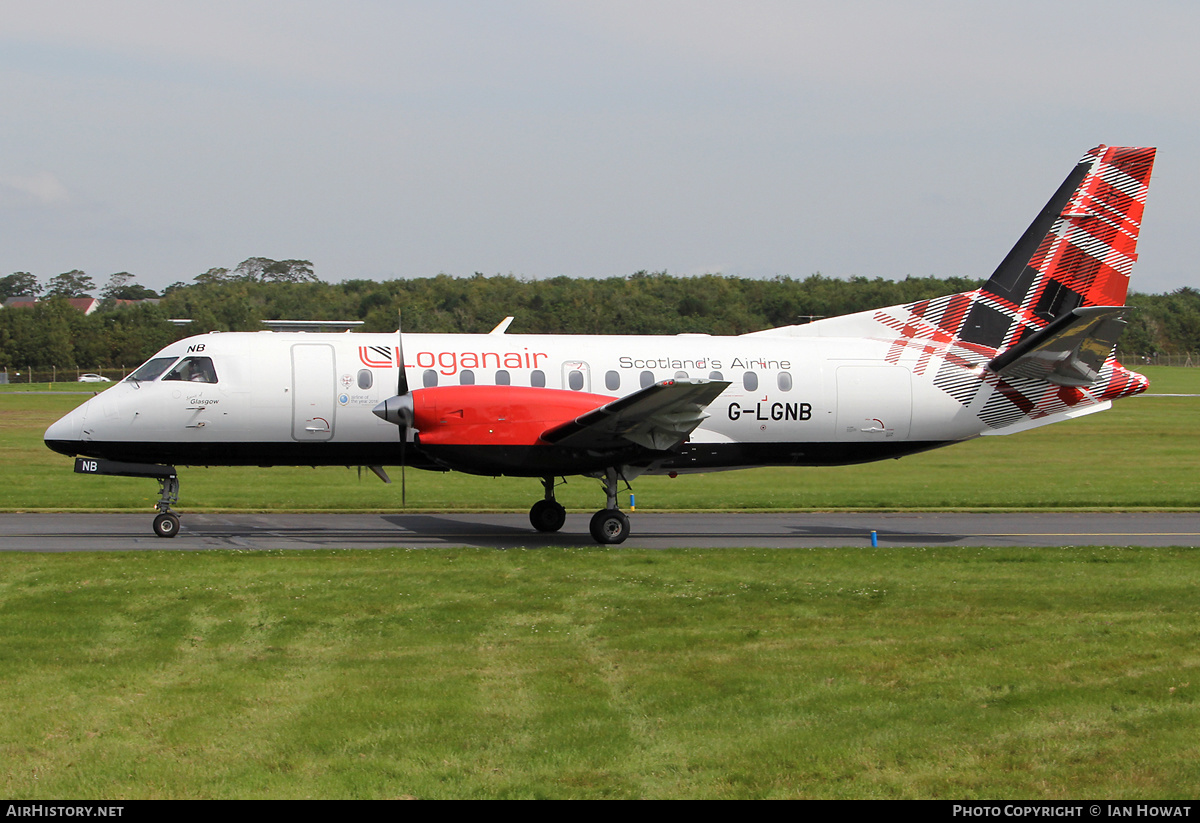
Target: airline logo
<point x="377" y="357"/>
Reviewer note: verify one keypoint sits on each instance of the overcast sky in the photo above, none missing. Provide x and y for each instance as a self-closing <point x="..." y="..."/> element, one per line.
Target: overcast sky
<point x="403" y="138"/>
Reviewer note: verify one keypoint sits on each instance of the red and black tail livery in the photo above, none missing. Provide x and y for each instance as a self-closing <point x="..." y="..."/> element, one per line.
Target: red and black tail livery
<point x="1078" y="252"/>
<point x="1037" y="339"/>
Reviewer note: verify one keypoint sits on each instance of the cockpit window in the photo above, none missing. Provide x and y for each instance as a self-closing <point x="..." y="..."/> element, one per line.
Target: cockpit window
<point x="193" y="370"/>
<point x="151" y="369"/>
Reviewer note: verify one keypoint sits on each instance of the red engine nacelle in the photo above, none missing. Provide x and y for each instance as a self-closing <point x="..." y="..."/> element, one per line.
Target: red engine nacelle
<point x="495" y="415"/>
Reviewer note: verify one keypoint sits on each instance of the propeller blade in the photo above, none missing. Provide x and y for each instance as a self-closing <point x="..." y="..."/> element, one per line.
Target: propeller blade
<point x="399" y="409"/>
<point x="403" y="392"/>
<point x="402" y="379"/>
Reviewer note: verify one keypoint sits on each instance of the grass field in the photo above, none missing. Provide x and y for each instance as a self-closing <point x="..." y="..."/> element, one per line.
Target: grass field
<point x="933" y="673"/>
<point x="1140" y="454"/>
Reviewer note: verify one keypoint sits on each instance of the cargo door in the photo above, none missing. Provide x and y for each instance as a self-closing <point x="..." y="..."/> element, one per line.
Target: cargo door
<point x="874" y="403"/>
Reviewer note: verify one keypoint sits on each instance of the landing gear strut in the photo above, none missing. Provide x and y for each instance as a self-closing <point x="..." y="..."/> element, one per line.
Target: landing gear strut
<point x="610" y="525"/>
<point x="548" y="515"/>
<point x="166" y="523"/>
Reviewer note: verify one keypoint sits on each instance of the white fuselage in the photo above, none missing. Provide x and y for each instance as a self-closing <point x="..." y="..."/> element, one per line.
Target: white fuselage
<point x="282" y="398"/>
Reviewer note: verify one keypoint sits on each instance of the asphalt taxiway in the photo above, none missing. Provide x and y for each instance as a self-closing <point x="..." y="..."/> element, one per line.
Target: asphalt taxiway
<point x="125" y="532"/>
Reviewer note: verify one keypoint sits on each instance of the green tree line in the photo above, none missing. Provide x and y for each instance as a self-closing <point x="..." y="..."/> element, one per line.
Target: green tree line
<point x="120" y="335"/>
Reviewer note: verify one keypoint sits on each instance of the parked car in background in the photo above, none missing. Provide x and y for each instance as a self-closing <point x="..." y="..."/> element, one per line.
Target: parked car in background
<point x="93" y="378"/>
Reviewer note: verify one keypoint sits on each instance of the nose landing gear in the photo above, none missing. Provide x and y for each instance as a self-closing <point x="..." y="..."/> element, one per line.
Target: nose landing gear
<point x="166" y="522"/>
<point x="166" y="525"/>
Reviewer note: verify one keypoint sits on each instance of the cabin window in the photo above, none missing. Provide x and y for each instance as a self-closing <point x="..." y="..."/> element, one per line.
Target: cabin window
<point x="646" y="379"/>
<point x="785" y="381"/>
<point x="365" y="380"/>
<point x="681" y="375"/>
<point x="466" y="377"/>
<point x="537" y="379"/>
<point x="151" y="369"/>
<point x="575" y="380"/>
<point x="429" y="378"/>
<point x="715" y="375"/>
<point x="193" y="370"/>
<point x="503" y="378"/>
<point x="612" y="380"/>
<point x="750" y="381"/>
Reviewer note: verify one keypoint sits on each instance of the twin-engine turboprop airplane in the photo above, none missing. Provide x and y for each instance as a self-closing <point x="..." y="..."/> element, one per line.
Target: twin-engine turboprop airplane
<point x="1033" y="346"/>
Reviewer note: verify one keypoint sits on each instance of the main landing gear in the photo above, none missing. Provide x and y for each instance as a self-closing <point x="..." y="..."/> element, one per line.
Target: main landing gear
<point x="608" y="526"/>
<point x="548" y="515"/>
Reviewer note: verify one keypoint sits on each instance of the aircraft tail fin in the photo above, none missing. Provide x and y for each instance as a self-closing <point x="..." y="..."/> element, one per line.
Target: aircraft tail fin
<point x="1046" y="323"/>
<point x="1078" y="252"/>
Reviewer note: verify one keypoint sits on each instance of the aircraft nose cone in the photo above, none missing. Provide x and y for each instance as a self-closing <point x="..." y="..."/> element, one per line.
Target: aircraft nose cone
<point x="63" y="435"/>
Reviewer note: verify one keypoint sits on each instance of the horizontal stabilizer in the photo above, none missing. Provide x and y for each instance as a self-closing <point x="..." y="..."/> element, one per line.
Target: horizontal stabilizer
<point x="659" y="417"/>
<point x="1027" y="423"/>
<point x="1068" y="352"/>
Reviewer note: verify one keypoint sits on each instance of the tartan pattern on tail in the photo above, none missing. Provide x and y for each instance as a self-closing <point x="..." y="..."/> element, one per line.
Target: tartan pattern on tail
<point x="1078" y="252"/>
<point x="1092" y="245"/>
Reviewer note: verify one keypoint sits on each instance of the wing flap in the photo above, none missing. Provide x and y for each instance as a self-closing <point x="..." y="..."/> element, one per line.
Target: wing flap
<point x="658" y="417"/>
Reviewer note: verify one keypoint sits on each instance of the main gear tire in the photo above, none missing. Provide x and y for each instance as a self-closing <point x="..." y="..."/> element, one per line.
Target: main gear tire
<point x="547" y="516"/>
<point x="609" y="526"/>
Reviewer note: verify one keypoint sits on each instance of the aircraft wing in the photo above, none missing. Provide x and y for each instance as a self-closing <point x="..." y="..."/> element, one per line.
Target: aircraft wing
<point x="1069" y="351"/>
<point x="659" y="417"/>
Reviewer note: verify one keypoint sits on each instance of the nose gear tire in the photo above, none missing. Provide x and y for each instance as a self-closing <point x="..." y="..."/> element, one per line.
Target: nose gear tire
<point x="166" y="525"/>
